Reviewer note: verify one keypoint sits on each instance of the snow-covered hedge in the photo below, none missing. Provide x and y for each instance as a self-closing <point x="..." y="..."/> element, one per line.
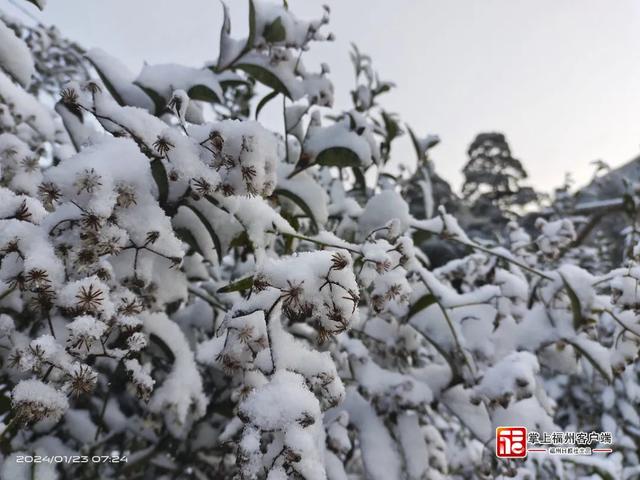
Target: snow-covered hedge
<point x="186" y="288"/>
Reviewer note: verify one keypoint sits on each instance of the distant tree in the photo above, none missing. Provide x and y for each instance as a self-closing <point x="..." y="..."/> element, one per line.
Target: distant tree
<point x="494" y="174"/>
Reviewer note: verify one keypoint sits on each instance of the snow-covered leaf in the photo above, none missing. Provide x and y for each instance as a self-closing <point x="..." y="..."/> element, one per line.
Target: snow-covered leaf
<point x="238" y="285"/>
<point x="301" y="204"/>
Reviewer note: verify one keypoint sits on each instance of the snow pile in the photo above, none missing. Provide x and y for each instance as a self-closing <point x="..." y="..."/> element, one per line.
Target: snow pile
<point x="180" y="397"/>
<point x="382" y="209"/>
<point x="164" y="79"/>
<point x="286" y="406"/>
<point x="35" y="400"/>
<point x="554" y="235"/>
<point x="316" y="287"/>
<point x="245" y="156"/>
<point x="15" y="56"/>
<point x="120" y="78"/>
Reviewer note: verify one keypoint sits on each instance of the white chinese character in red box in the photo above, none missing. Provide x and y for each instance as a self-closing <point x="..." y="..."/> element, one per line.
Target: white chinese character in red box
<point x="511" y="442"/>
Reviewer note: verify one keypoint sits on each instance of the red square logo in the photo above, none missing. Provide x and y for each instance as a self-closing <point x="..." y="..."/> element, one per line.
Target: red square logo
<point x="511" y="442"/>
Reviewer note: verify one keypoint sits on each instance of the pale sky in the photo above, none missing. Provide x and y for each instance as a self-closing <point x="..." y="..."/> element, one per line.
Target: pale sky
<point x="561" y="78"/>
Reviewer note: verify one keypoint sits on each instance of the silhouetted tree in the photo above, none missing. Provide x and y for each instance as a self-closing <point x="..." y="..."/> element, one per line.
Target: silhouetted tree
<point x="493" y="173"/>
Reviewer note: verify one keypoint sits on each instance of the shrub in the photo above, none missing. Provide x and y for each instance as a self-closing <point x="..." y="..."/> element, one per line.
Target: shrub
<point x="183" y="287"/>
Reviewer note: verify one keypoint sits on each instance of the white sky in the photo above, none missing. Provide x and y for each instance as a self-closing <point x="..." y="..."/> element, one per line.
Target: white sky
<point x="561" y="78"/>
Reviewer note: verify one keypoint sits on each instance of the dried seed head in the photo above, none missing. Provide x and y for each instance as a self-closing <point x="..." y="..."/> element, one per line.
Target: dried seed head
<point x="30" y="164"/>
<point x="201" y="186"/>
<point x="216" y="140"/>
<point x="130" y="307"/>
<point x="162" y="145"/>
<point x="137" y="342"/>
<point x="126" y="196"/>
<point x="69" y="98"/>
<point x="91" y="221"/>
<point x="88" y="181"/>
<point x="152" y="237"/>
<point x="33" y="400"/>
<point x="92" y="87"/>
<point x="260" y="283"/>
<point x="37" y="278"/>
<point x="82" y="381"/>
<point x="227" y="190"/>
<point x="49" y="193"/>
<point x="248" y="173"/>
<point x="86" y="256"/>
<point x="245" y="334"/>
<point x="383" y="266"/>
<point x="89" y="299"/>
<point x="339" y="261"/>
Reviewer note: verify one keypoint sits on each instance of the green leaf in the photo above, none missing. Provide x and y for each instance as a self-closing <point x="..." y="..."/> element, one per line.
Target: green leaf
<point x="5" y="404"/>
<point x="352" y="122"/>
<point x="361" y="182"/>
<point x="65" y="114"/>
<point x="225" y="33"/>
<point x="576" y="308"/>
<point x="416" y="145"/>
<point x="389" y="176"/>
<point x="423" y="302"/>
<point x="214" y="236"/>
<point x="159" y="102"/>
<point x="264" y="76"/>
<point x="163" y="346"/>
<point x="275" y="32"/>
<point x="243" y="284"/>
<point x="72" y="111"/>
<point x="252" y="27"/>
<point x="203" y="93"/>
<point x="589" y="358"/>
<point x="241" y="241"/>
<point x="421" y="236"/>
<point x="159" y="174"/>
<point x="36" y="3"/>
<point x="629" y="204"/>
<point x="382" y="89"/>
<point x="289" y="239"/>
<point x="225" y="28"/>
<point x="338" y="157"/>
<point x="391" y="126"/>
<point x="231" y="82"/>
<point x="532" y="296"/>
<point x="107" y="83"/>
<point x="300" y="203"/>
<point x="186" y="236"/>
<point x="267" y="98"/>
